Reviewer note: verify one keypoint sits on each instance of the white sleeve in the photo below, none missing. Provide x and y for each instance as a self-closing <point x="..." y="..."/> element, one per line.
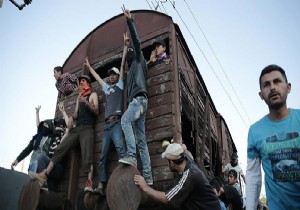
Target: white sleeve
<point x="253" y="183"/>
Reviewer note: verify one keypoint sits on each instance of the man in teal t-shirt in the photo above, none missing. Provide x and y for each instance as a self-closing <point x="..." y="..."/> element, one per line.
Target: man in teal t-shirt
<point x="274" y="141"/>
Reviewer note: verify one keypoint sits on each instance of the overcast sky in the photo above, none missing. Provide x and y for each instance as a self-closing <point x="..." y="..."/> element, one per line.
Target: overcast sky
<point x="246" y="36"/>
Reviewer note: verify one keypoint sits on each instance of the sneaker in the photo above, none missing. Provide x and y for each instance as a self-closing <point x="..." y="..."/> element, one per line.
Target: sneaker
<point x="149" y="181"/>
<point x="41" y="178"/>
<point x="88" y="186"/>
<point x="99" y="191"/>
<point x="128" y="161"/>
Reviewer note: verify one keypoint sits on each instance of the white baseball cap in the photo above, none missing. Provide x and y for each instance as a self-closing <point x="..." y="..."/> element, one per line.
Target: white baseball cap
<point x="113" y="69"/>
<point x="173" y="152"/>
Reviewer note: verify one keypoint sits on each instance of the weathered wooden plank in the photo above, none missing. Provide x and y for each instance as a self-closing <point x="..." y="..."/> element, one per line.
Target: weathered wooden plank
<point x="159" y="79"/>
<point x="159" y="133"/>
<point x="158" y="111"/>
<point x="158" y="100"/>
<point x="159" y="89"/>
<point x="159" y="122"/>
<point x="158" y="69"/>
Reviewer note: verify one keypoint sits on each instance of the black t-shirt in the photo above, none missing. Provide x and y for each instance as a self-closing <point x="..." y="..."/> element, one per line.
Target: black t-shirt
<point x="193" y="191"/>
<point x="232" y="197"/>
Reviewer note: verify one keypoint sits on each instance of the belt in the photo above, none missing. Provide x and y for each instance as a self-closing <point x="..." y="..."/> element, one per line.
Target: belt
<point x="112" y="119"/>
<point x="142" y="94"/>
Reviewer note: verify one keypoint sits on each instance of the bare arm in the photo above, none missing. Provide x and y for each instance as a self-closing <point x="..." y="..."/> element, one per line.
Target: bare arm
<point x="37" y="115"/>
<point x="75" y="115"/>
<point x="156" y="195"/>
<point x="244" y="178"/>
<point x="93" y="72"/>
<point x="14" y="164"/>
<point x="152" y="58"/>
<point x="92" y="103"/>
<point x="126" y="43"/>
<point x="69" y="127"/>
<point x="61" y="108"/>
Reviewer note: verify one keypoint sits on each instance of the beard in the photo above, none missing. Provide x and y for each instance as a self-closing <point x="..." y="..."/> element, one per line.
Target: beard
<point x="275" y="105"/>
<point x="172" y="169"/>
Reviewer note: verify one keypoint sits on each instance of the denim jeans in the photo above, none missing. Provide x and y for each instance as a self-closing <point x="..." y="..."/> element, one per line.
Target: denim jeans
<point x="38" y="165"/>
<point x="33" y="165"/>
<point x="112" y="132"/>
<point x="133" y="125"/>
<point x="55" y="174"/>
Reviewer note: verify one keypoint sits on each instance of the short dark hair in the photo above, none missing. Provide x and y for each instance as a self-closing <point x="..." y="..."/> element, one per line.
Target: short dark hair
<point x="215" y="183"/>
<point x="233" y="173"/>
<point x="271" y="68"/>
<point x="59" y="68"/>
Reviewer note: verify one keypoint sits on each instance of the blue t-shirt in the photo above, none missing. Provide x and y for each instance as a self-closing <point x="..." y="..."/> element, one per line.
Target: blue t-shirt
<point x="277" y="143"/>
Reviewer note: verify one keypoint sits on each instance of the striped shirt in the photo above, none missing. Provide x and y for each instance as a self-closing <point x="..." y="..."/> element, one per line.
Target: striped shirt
<point x="56" y="140"/>
<point x="193" y="191"/>
<point x="67" y="84"/>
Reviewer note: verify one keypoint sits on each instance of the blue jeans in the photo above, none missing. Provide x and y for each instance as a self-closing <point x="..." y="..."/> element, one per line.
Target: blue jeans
<point x="33" y="166"/>
<point x="56" y="173"/>
<point x="112" y="131"/>
<point x="133" y="125"/>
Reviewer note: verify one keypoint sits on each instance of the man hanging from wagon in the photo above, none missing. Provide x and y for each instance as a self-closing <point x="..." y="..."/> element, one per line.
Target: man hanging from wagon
<point x="85" y="114"/>
<point x="112" y="130"/>
<point x="133" y="119"/>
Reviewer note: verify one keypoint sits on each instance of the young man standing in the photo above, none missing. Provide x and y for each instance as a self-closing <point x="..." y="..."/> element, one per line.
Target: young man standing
<point x="133" y="120"/>
<point x="274" y="141"/>
<point x="113" y="112"/>
<point x="85" y="114"/>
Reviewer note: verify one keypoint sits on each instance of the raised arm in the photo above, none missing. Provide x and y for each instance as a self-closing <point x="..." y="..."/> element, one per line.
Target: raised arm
<point x="93" y="72"/>
<point x="126" y="43"/>
<point x="61" y="108"/>
<point x="68" y="120"/>
<point x="37" y="115"/>
<point x="152" y="58"/>
<point x="134" y="36"/>
<point x="75" y="115"/>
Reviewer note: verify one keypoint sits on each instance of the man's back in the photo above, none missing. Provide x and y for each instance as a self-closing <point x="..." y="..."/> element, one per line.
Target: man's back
<point x="193" y="190"/>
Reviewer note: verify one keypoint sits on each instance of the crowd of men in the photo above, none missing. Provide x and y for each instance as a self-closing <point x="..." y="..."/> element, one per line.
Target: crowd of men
<point x="273" y="141"/>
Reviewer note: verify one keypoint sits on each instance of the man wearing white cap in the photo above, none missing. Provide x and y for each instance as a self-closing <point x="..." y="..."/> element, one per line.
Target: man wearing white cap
<point x="112" y="130"/>
<point x="192" y="192"/>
